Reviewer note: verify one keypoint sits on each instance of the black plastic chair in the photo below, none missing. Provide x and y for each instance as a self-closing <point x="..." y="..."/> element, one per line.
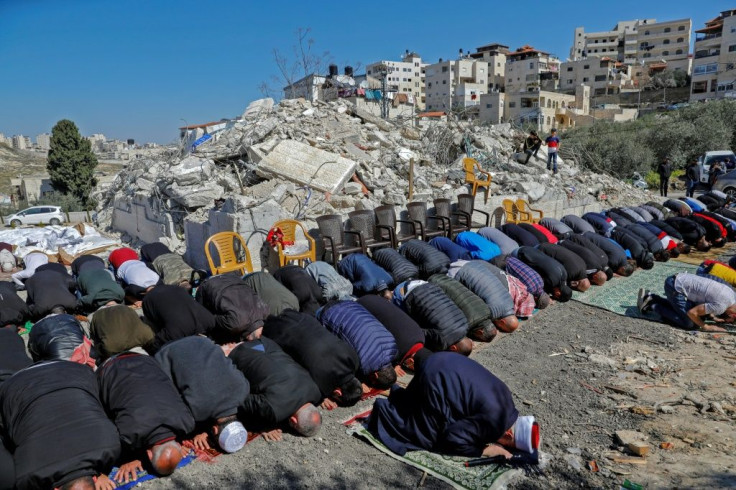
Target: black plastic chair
<point x="418" y="214"/>
<point x="386" y="216"/>
<point x="443" y="209"/>
<point x="466" y="205"/>
<point x="364" y="221"/>
<point x="333" y="237"/>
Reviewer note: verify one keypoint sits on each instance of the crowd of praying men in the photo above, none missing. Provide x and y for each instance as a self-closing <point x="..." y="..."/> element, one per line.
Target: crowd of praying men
<point x="129" y="357"/>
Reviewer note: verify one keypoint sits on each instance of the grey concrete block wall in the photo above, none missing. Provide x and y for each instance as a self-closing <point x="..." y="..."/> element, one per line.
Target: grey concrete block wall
<point x="141" y="219"/>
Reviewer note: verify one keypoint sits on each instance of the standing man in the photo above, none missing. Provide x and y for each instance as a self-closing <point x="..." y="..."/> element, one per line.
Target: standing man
<point x="553" y="145"/>
<point x="692" y="177"/>
<point x="665" y="171"/>
<point x="531" y="145"/>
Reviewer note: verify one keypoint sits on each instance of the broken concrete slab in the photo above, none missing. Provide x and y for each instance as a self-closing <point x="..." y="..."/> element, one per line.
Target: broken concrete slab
<point x="192" y="170"/>
<point x="258" y="107"/>
<point x="306" y="165"/>
<point x="194" y="196"/>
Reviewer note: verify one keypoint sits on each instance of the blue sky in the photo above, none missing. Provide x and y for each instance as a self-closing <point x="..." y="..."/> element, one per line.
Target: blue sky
<point x="137" y="68"/>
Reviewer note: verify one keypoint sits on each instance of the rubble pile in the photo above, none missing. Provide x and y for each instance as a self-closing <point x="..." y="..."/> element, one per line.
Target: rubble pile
<point x="302" y="156"/>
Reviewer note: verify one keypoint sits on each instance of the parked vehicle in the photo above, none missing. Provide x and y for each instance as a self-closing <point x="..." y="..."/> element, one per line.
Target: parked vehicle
<point x="51" y="215"/>
<point x="710" y="157"/>
<point x="727" y="183"/>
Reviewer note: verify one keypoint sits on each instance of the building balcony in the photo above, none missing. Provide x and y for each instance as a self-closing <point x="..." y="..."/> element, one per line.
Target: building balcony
<point x="707" y="54"/>
<point x="705" y="37"/>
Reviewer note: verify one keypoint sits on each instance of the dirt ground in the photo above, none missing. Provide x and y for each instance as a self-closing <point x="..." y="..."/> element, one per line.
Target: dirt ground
<point x="584" y="373"/>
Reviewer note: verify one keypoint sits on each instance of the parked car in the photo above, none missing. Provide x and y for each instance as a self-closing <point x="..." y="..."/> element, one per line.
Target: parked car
<point x="51" y="215"/>
<point x="727" y="183"/>
<point x="710" y="157"/>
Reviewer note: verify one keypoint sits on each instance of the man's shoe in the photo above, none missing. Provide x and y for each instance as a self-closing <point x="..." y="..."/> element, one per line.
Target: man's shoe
<point x="643" y="300"/>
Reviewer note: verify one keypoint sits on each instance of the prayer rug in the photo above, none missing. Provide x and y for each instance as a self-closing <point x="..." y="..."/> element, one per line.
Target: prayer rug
<point x="619" y="294"/>
<point x="449" y="469"/>
<point x="143" y="476"/>
<point x="696" y="257"/>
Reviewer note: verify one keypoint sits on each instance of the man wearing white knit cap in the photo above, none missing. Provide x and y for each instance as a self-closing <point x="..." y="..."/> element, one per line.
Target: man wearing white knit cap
<point x="453" y="406"/>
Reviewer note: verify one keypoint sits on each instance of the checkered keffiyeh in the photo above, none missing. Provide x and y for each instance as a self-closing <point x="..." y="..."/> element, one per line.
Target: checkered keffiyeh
<point x="524" y="303"/>
<point x="528" y="276"/>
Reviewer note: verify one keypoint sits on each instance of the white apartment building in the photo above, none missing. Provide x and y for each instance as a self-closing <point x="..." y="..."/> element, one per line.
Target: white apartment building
<point x="43" y="141"/>
<point x="603" y="75"/>
<point x="405" y="76"/>
<point x="455" y="84"/>
<point x="714" y="60"/>
<point x="529" y="69"/>
<point x="19" y="142"/>
<point x="308" y="88"/>
<point x="495" y="56"/>
<point x="637" y="41"/>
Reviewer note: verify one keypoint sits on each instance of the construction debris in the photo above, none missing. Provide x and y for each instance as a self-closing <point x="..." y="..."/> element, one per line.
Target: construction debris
<point x="292" y="153"/>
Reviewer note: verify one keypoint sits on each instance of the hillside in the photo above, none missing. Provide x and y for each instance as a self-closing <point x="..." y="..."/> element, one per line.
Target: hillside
<point x="15" y="162"/>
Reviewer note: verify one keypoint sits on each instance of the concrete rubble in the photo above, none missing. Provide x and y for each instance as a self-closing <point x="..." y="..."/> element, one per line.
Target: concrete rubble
<point x="296" y="159"/>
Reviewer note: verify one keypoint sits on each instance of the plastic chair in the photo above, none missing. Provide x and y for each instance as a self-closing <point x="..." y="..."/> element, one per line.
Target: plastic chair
<point x="333" y="237"/>
<point x="386" y="216"/>
<point x="466" y="205"/>
<point x="418" y="214"/>
<point x="232" y="253"/>
<point x="443" y="209"/>
<point x="471" y="165"/>
<point x="527" y="212"/>
<point x="511" y="211"/>
<point x="288" y="228"/>
<point x="364" y="221"/>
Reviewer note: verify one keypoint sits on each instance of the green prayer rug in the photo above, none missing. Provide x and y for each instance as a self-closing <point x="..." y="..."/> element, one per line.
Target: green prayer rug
<point x="449" y="469"/>
<point x="619" y="294"/>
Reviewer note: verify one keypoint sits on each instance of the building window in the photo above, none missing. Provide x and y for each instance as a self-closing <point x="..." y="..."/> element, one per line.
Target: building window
<point x="647" y="55"/>
<point x="679" y="51"/>
<point x="600" y="78"/>
<point x="444" y="82"/>
<point x="585" y="67"/>
<point x="680" y="39"/>
<point x="569" y="68"/>
<point x="585" y="79"/>
<point x="681" y="28"/>
<point x="512" y="104"/>
<point x="732" y="48"/>
<point x="665" y="53"/>
<point x="444" y="69"/>
<point x="488" y="106"/>
<point x="667" y="29"/>
<point x="570" y="82"/>
<point x="646" y="33"/>
<point x="531" y="65"/>
<point x="666" y="41"/>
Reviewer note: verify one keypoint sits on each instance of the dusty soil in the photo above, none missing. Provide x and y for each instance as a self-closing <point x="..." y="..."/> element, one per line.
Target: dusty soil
<point x="584" y="373"/>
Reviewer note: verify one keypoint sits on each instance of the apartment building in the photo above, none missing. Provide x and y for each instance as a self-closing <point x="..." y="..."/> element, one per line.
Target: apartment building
<point x="495" y="56"/>
<point x="638" y="41"/>
<point x="405" y="76"/>
<point x="43" y="141"/>
<point x="19" y="142"/>
<point x="714" y="60"/>
<point x="603" y="75"/>
<point x="455" y="84"/>
<point x="529" y="69"/>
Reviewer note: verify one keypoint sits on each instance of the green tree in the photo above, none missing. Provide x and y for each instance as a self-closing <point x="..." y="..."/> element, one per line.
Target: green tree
<point x="71" y="163"/>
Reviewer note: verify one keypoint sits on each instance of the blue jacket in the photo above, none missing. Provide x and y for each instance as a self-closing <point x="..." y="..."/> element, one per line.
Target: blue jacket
<point x="367" y="276"/>
<point x="599" y="222"/>
<point x="351" y="322"/>
<point x="480" y="247"/>
<point x="456" y="251"/>
<point x="696" y="206"/>
<point x="452" y="406"/>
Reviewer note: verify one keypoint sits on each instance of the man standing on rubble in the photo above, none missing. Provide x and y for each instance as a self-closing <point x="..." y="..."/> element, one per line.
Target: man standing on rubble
<point x="553" y="145"/>
<point x="531" y="145"/>
<point x="665" y="171"/>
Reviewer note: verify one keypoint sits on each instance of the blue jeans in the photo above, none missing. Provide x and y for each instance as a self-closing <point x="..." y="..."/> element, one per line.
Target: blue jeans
<point x="552" y="159"/>
<point x="674" y="308"/>
<point x="690" y="188"/>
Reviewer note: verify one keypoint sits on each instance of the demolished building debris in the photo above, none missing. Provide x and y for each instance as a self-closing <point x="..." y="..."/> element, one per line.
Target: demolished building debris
<point x="295" y="159"/>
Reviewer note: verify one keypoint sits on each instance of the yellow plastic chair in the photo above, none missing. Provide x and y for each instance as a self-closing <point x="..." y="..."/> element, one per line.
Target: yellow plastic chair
<point x="510" y="210"/>
<point x="471" y="165"/>
<point x="288" y="227"/>
<point x="528" y="212"/>
<point x="232" y="253"/>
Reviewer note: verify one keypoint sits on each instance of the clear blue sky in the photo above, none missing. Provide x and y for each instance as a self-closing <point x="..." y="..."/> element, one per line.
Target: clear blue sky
<point x="136" y="68"/>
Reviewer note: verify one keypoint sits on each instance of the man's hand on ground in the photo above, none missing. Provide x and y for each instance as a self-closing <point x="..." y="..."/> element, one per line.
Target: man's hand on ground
<point x="492" y="450"/>
<point x="712" y="328"/>
<point x="129" y="471"/>
<point x="102" y="482"/>
<point x="328" y="404"/>
<point x="273" y="435"/>
<point x="201" y="441"/>
<point x="399" y="371"/>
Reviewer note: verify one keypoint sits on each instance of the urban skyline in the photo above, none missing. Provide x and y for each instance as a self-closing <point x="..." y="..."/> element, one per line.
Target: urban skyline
<point x="157" y="81"/>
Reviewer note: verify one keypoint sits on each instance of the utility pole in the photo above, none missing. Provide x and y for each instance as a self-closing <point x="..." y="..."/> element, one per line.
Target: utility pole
<point x="384" y="99"/>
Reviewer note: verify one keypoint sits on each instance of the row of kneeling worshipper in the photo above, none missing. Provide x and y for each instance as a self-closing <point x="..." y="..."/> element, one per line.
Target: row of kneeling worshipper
<point x="169" y="354"/>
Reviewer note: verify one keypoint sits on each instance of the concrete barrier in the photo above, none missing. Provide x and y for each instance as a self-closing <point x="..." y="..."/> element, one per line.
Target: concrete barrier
<point x="143" y="219"/>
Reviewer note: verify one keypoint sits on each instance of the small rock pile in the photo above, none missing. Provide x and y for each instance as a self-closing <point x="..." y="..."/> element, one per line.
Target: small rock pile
<point x="186" y="184"/>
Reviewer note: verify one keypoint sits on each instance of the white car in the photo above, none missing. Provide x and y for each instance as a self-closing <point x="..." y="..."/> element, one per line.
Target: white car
<point x="49" y="215"/>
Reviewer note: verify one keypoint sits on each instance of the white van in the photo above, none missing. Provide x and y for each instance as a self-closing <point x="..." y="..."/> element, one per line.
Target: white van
<point x="710" y="157"/>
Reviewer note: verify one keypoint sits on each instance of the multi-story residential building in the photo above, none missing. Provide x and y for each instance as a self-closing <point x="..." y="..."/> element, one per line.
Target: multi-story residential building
<point x="96" y="141"/>
<point x="637" y="41"/>
<point x="404" y="77"/>
<point x="19" y="142"/>
<point x="714" y="61"/>
<point x="528" y="69"/>
<point x="492" y="107"/>
<point x="43" y="141"/>
<point x="308" y="88"/>
<point x="455" y="84"/>
<point x="495" y="56"/>
<point x="603" y="75"/>
<point x="547" y="109"/>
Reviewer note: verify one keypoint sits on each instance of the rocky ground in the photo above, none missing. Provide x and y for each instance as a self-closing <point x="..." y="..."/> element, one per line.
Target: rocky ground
<point x="584" y="373"/>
